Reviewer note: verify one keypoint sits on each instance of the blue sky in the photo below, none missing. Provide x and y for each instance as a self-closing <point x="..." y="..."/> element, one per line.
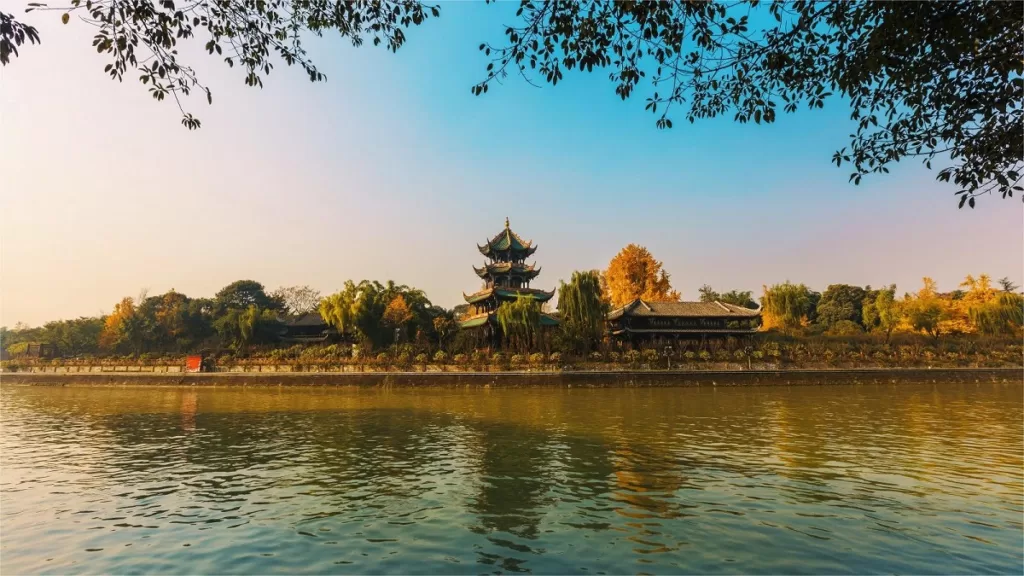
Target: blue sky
<point x="393" y="169"/>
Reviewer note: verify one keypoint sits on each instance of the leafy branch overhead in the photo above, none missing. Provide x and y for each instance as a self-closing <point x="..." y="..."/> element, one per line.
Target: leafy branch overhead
<point x="143" y="35"/>
<point x="937" y="81"/>
<point x="927" y="80"/>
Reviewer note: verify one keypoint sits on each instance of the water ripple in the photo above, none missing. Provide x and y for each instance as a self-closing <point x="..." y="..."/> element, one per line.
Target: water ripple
<point x="919" y="478"/>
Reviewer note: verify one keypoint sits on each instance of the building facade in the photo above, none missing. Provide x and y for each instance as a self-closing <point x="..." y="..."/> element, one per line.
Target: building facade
<point x="641" y="321"/>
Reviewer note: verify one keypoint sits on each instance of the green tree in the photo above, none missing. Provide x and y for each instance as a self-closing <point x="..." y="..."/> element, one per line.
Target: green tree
<point x="937" y="81"/>
<point x="882" y="312"/>
<point x="1007" y="285"/>
<point x="708" y="294"/>
<point x="358" y="310"/>
<point x="582" y="310"/>
<point x="520" y="322"/>
<point x="241" y="328"/>
<point x="74" y="337"/>
<point x="242" y="294"/>
<point x="841" y="302"/>
<point x="744" y="298"/>
<point x="787" y="306"/>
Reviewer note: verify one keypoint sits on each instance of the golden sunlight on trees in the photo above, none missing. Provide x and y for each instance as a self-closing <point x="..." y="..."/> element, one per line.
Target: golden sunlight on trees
<point x="397" y="313"/>
<point x="121" y="326"/>
<point x="786" y="306"/>
<point x="925" y="310"/>
<point x="634" y="273"/>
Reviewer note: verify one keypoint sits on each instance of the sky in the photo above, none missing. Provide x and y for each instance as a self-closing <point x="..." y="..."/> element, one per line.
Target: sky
<point x="392" y="169"/>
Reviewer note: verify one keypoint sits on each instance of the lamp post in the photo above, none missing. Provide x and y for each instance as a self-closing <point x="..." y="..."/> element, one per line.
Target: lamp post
<point x="668" y="357"/>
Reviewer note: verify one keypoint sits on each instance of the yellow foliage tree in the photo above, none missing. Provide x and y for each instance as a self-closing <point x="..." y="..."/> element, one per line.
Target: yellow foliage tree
<point x="397" y="314"/>
<point x="634" y="273"/>
<point x="117" y="325"/>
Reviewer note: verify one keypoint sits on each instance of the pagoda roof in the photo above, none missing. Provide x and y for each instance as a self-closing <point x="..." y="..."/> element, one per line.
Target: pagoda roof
<point x="507" y="240"/>
<point x="530" y="270"/>
<point x="474" y="321"/>
<point x="481" y="319"/>
<point x="714" y="309"/>
<point x="538" y="295"/>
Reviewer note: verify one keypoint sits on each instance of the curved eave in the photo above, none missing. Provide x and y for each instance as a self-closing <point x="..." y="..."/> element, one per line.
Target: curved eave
<point x="548" y="320"/>
<point x="477" y="296"/>
<point x="538" y="295"/>
<point x="490" y="269"/>
<point x="474" y="321"/>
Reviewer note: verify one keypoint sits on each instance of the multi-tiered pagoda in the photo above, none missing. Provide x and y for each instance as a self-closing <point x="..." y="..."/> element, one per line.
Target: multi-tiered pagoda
<point x="506" y="276"/>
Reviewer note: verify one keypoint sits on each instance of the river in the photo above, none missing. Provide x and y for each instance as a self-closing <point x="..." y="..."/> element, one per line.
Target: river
<point x="907" y="478"/>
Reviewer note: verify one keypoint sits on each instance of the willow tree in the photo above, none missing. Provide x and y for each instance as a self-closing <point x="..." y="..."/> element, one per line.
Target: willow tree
<point x="520" y="322"/>
<point x="1002" y="315"/>
<point x="786" y="306"/>
<point x="582" y="310"/>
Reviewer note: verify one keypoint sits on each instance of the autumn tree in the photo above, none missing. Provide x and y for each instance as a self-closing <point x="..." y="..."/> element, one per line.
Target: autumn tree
<point x="924" y="310"/>
<point x="933" y="81"/>
<point x="123" y="328"/>
<point x="634" y="273"/>
<point x="582" y="310"/>
<point x="445" y="327"/>
<point x="397" y="313"/>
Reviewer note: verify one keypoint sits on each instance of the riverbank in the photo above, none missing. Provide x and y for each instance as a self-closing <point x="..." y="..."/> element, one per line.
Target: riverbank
<point x="513" y="379"/>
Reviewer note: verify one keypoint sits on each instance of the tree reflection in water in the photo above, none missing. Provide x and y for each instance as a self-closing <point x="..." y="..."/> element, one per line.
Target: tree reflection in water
<point x="514" y="480"/>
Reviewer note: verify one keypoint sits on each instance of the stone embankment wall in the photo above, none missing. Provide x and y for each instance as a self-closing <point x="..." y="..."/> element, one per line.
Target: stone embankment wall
<point x="590" y="379"/>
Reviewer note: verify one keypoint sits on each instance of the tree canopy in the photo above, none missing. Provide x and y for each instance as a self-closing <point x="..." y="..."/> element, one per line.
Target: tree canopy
<point x="634" y="273"/>
<point x="936" y="81"/>
<point x="744" y="298"/>
<point x="582" y="309"/>
<point x="841" y="302"/>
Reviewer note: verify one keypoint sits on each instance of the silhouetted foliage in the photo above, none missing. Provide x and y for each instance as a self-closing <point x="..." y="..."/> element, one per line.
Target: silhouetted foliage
<point x="927" y="80"/>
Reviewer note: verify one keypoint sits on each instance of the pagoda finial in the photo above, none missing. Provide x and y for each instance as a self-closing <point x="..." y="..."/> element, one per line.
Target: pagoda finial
<point x="506" y="222"/>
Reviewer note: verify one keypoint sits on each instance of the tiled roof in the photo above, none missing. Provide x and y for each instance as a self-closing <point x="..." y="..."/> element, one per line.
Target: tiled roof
<point x="686" y="331"/>
<point x="307" y="319"/>
<point x="530" y="270"/>
<point x="481" y="319"/>
<point x="538" y="295"/>
<point x="507" y="240"/>
<point x="684" y="309"/>
<point x="474" y="321"/>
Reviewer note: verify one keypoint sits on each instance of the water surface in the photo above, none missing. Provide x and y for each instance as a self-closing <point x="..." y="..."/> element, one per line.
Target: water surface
<point x="896" y="478"/>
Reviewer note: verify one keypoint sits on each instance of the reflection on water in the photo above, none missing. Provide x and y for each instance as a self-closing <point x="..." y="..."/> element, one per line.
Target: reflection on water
<point x="911" y="478"/>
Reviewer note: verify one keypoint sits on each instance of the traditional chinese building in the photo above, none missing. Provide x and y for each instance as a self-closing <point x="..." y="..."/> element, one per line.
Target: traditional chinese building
<point x="506" y="276"/>
<point x="645" y="321"/>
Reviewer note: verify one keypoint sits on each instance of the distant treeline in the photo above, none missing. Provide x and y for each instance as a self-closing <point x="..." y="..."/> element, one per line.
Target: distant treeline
<point x="244" y="315"/>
